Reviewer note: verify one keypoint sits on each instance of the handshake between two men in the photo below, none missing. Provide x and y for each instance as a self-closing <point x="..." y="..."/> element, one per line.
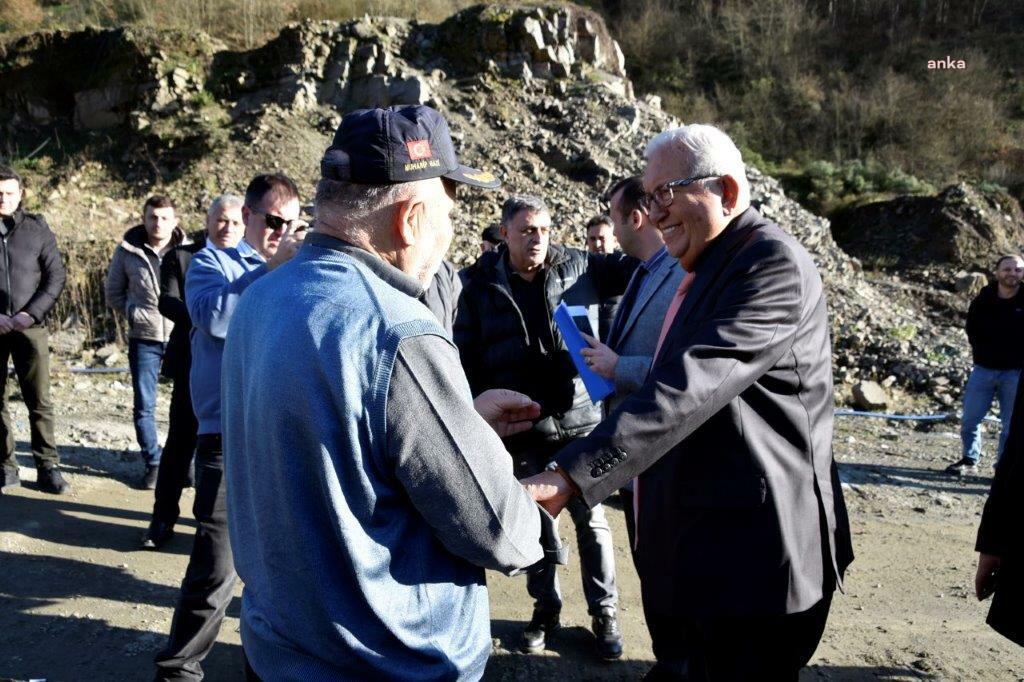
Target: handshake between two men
<point x="508" y="413"/>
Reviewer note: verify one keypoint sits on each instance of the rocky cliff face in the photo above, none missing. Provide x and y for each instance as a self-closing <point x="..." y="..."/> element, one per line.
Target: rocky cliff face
<point x="538" y="95"/>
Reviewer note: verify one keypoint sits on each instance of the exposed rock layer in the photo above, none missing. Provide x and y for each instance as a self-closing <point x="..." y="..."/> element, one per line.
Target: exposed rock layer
<point x="539" y="95"/>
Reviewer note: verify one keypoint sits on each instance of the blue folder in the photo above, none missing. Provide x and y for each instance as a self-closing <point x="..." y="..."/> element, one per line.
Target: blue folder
<point x="597" y="386"/>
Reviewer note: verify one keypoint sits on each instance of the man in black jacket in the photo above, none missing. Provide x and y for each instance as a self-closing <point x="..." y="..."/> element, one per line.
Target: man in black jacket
<point x="32" y="278"/>
<point x="995" y="326"/>
<point x="506" y="339"/>
<point x="600" y="235"/>
<point x="224" y="227"/>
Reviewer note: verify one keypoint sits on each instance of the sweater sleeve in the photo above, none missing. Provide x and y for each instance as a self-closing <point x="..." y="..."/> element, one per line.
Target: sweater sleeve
<point x="630" y="373"/>
<point x="211" y="295"/>
<point x="453" y="465"/>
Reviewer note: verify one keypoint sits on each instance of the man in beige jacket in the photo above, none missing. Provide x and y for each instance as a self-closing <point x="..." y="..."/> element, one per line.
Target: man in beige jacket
<point x="133" y="289"/>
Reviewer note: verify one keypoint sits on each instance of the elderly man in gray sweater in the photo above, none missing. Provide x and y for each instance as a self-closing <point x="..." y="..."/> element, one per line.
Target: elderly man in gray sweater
<point x="366" y="495"/>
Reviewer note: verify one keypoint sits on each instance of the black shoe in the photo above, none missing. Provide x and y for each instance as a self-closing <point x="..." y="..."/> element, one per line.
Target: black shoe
<point x="963" y="467"/>
<point x="157" y="535"/>
<point x="609" y="638"/>
<point x="50" y="480"/>
<point x="535" y="635"/>
<point x="149" y="478"/>
<point x="10" y="480"/>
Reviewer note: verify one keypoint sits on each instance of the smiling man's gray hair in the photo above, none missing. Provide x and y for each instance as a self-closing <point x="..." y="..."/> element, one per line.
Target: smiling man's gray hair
<point x="709" y="150"/>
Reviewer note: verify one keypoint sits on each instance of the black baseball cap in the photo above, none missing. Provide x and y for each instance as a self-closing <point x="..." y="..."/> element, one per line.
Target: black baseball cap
<point x="492" y="234"/>
<point x="397" y="144"/>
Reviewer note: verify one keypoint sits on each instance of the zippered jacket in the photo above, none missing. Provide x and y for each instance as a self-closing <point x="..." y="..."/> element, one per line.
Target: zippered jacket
<point x="495" y="346"/>
<point x="32" y="274"/>
<point x="133" y="285"/>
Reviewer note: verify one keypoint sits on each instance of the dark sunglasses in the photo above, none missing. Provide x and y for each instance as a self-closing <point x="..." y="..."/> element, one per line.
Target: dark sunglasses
<point x="275" y="222"/>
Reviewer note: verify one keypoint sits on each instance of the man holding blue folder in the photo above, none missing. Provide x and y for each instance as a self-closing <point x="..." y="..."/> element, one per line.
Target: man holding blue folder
<point x="507" y="339"/>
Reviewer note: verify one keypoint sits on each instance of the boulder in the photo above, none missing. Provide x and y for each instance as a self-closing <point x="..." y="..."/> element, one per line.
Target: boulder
<point x="970" y="284"/>
<point x="870" y="396"/>
<point x="102" y="107"/>
<point x="534" y="34"/>
<point x="112" y="360"/>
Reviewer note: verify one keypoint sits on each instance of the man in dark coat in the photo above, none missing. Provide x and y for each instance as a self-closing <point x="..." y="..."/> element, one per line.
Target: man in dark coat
<point x="995" y="325"/>
<point x="33" y="276"/>
<point x="506" y="339"/>
<point x="224" y="228"/>
<point x="1001" y="537"/>
<point x="600" y="236"/>
<point x="741" y="530"/>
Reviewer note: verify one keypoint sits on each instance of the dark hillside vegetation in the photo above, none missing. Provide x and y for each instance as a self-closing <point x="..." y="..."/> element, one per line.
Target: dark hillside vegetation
<point x="834" y="98"/>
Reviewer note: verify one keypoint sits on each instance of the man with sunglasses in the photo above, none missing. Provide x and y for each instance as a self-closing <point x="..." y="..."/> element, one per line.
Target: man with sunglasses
<point x="215" y="281"/>
<point x="741" y="530"/>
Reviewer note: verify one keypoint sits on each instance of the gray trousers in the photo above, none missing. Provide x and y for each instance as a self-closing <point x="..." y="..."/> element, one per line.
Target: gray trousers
<point x="594" y="540"/>
<point x="597" y="565"/>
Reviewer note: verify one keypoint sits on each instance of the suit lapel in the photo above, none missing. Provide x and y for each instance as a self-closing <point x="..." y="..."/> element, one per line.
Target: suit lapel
<point x="658" y="278"/>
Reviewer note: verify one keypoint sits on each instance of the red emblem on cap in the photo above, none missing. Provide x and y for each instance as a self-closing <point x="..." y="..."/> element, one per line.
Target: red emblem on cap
<point x="418" y="149"/>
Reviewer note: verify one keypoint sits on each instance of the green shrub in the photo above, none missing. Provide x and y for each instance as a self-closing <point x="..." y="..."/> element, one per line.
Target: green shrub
<point x="824" y="186"/>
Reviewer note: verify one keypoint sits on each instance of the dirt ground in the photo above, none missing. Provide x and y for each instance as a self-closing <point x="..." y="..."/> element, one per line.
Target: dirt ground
<point x="79" y="600"/>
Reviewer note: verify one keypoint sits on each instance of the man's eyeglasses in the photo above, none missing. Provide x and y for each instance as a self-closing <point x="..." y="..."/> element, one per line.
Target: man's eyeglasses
<point x="275" y="223"/>
<point x="663" y="195"/>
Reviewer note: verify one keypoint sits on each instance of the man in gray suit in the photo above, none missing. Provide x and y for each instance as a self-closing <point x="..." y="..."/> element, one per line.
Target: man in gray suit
<point x="742" y="532"/>
<point x="626" y="358"/>
<point x="632" y="338"/>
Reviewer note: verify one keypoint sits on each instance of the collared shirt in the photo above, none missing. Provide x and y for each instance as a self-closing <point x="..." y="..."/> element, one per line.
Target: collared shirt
<point x="650" y="265"/>
<point x="215" y="281"/>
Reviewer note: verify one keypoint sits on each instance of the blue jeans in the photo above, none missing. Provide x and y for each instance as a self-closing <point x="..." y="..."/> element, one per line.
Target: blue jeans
<point x="983" y="385"/>
<point x="144" y="359"/>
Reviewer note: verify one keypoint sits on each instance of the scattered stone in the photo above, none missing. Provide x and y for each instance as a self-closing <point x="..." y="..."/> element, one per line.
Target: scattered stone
<point x="101" y="107"/>
<point x="545" y="103"/>
<point x="870" y="396"/>
<point x="106" y="351"/>
<point x="970" y="284"/>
